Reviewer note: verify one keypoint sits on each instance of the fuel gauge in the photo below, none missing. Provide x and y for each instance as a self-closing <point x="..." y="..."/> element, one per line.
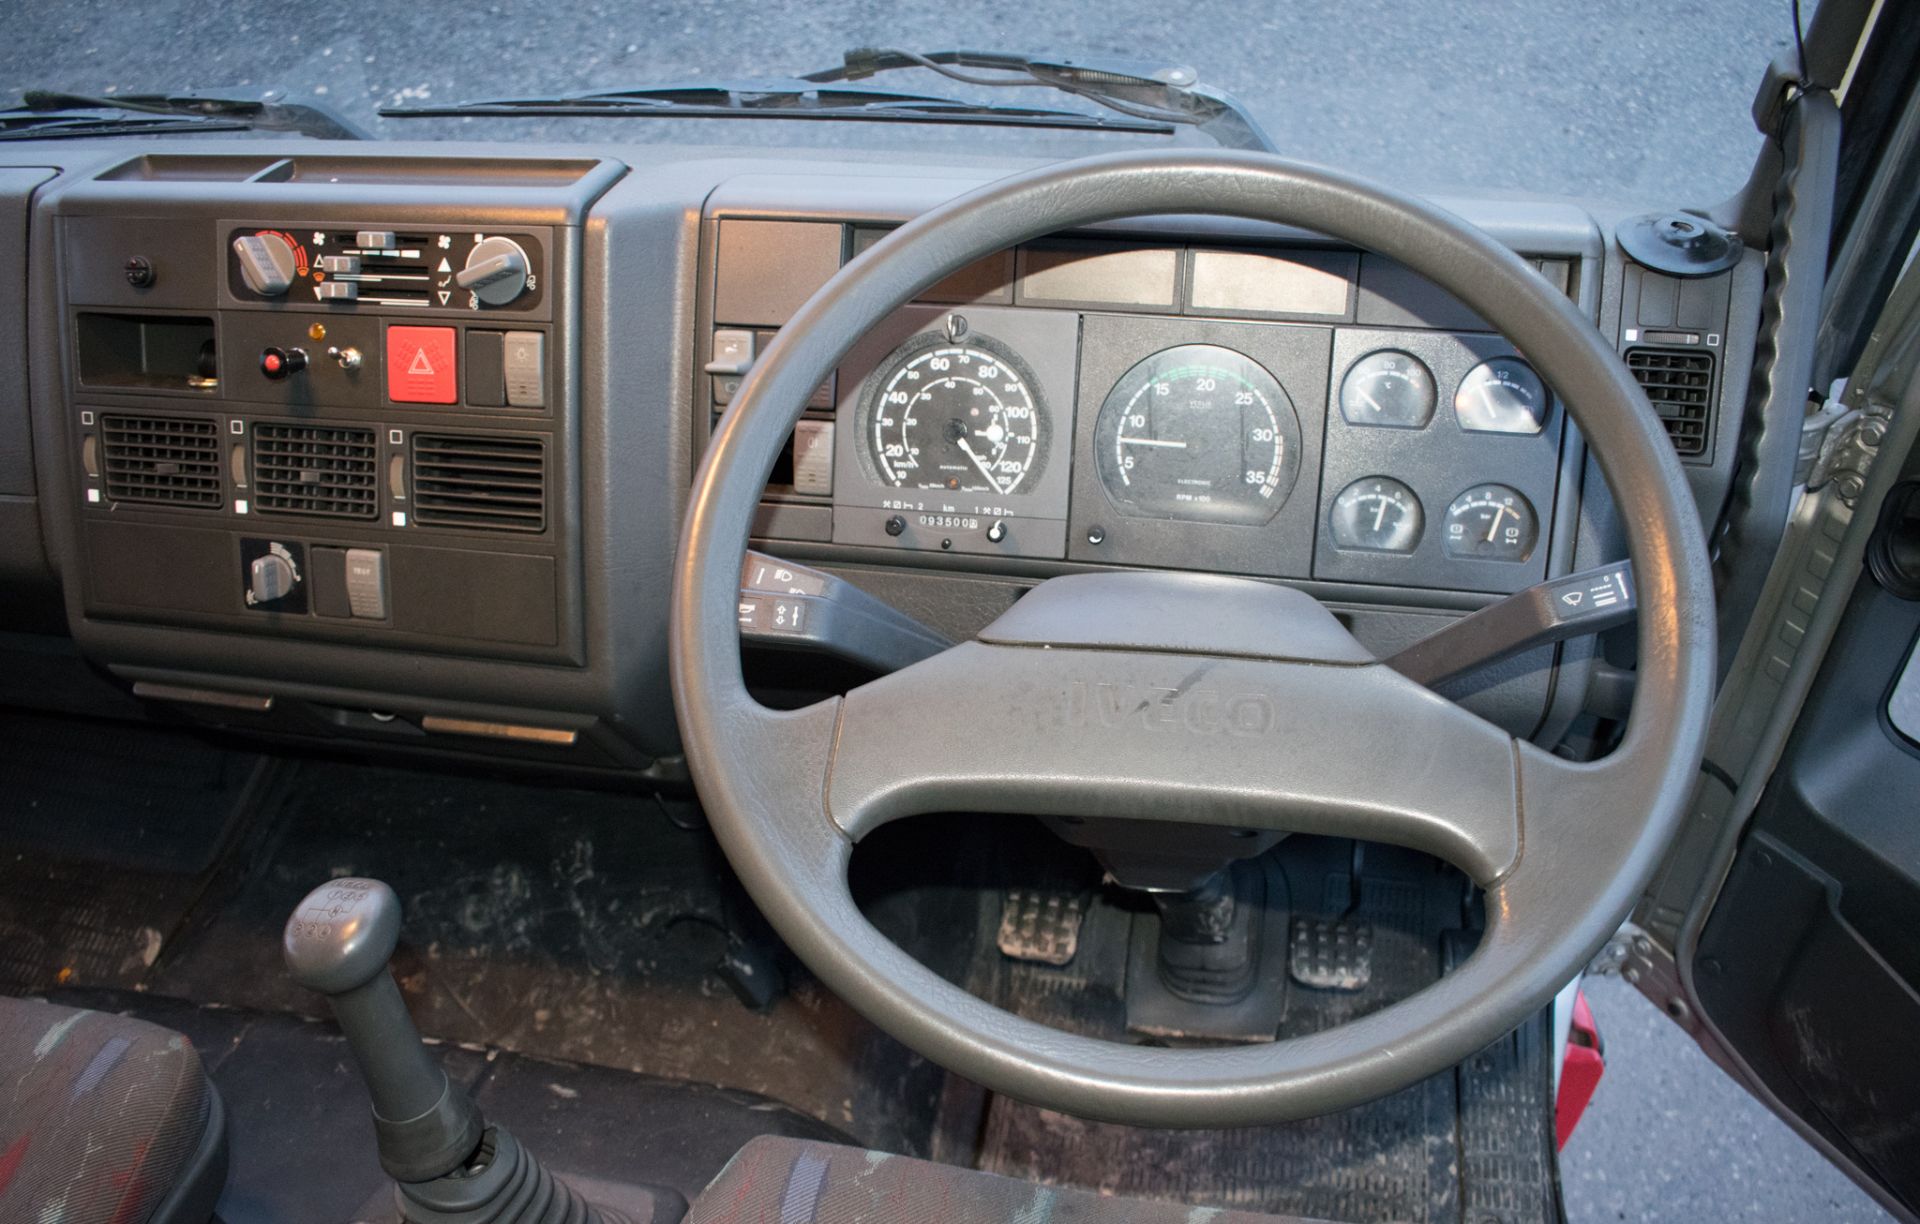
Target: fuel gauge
<point x="1491" y="522"/>
<point x="1377" y="514"/>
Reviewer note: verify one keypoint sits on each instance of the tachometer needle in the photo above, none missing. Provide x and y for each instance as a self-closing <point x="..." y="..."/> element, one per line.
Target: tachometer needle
<point x="1169" y="443"/>
<point x="1379" y="516"/>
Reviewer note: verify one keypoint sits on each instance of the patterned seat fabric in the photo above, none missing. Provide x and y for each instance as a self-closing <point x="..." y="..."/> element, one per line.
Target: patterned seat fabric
<point x="99" y="1115"/>
<point x="793" y="1181"/>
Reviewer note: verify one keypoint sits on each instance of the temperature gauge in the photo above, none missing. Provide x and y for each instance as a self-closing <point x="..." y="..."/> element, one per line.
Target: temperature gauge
<point x="1377" y="514"/>
<point x="1388" y="388"/>
<point x="1492" y="523"/>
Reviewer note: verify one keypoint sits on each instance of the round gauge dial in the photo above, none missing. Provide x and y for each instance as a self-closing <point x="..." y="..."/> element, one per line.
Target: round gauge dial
<point x="1502" y="395"/>
<point x="963" y="416"/>
<point x="1492" y="522"/>
<point x="1198" y="432"/>
<point x="1377" y="514"/>
<point x="1388" y="388"/>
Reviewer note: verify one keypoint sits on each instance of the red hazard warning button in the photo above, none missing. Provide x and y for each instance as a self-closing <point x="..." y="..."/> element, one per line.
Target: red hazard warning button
<point x="420" y="365"/>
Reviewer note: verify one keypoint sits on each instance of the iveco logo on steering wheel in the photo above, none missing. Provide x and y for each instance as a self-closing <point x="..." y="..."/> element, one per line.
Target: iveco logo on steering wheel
<point x="1201" y="711"/>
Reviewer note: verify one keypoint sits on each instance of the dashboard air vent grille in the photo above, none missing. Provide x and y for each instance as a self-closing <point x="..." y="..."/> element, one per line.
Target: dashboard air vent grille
<point x="315" y="469"/>
<point x="486" y="482"/>
<point x="162" y="461"/>
<point x="1680" y="384"/>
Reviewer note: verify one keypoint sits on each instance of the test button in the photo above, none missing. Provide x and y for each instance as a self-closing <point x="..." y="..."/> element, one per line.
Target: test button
<point x="367" y="583"/>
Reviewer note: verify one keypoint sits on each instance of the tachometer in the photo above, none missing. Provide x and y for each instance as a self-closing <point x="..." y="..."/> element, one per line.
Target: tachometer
<point x="957" y="415"/>
<point x="1198" y="432"/>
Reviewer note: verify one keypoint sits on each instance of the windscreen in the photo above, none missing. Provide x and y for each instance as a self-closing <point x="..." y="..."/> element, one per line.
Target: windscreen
<point x="1622" y="101"/>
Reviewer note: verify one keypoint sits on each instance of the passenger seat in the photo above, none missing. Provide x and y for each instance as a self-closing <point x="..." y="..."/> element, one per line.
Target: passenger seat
<point x="104" y="1120"/>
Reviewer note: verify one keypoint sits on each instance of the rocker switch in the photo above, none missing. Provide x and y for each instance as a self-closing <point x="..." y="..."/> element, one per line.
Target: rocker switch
<point x="367" y="583"/>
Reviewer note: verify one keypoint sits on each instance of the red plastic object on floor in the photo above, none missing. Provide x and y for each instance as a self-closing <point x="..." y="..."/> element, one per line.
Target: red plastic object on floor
<point x="1580" y="1071"/>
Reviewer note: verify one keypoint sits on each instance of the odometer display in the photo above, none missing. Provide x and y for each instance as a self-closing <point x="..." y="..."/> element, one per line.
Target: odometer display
<point x="1198" y="432"/>
<point x="962" y="416"/>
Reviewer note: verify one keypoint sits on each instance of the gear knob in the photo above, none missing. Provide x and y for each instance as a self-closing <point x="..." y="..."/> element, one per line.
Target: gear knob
<point x="338" y="942"/>
<point x="342" y="934"/>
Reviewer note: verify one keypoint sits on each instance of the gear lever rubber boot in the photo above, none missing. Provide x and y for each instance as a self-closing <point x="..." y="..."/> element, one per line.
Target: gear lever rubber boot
<point x="451" y="1166"/>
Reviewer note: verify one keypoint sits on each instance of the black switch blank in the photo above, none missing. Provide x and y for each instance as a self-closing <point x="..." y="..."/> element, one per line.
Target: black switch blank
<point x="327" y="578"/>
<point x="486" y="370"/>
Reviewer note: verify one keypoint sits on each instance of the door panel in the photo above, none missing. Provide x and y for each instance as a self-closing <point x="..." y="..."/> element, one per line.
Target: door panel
<point x="1810" y="961"/>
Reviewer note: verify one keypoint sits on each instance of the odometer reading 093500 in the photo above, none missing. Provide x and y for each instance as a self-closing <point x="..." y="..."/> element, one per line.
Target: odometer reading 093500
<point x="956" y="415"/>
<point x="1198" y="432"/>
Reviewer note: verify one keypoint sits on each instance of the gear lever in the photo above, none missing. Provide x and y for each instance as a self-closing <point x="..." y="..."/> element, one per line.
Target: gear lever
<point x="338" y="943"/>
<point x="450" y="1164"/>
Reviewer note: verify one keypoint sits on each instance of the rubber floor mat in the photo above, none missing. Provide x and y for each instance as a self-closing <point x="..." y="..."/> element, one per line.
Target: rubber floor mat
<point x="107" y="835"/>
<point x="1471" y="1144"/>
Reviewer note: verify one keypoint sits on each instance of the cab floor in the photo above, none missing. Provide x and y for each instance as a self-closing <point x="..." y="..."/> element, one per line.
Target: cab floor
<point x="577" y="934"/>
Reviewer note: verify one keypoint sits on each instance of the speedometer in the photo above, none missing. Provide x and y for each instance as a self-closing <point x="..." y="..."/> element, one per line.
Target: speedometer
<point x="1198" y="432"/>
<point x="962" y="416"/>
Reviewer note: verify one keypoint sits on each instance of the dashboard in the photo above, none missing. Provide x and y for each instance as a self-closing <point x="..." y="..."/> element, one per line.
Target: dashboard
<point x="391" y="444"/>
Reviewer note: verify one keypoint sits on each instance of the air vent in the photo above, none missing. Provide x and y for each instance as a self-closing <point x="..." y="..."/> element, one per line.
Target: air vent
<point x="487" y="482"/>
<point x="162" y="461"/>
<point x="315" y="469"/>
<point x="1680" y="384"/>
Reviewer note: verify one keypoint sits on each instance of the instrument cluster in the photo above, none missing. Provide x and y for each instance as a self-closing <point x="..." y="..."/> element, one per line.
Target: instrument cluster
<point x="1383" y="456"/>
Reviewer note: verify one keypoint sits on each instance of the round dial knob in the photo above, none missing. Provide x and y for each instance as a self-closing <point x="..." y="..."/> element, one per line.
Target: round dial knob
<point x="496" y="271"/>
<point x="267" y="263"/>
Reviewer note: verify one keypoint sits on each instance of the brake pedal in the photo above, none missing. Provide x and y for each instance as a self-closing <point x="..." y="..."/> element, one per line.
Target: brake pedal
<point x="1331" y="953"/>
<point x="1041" y="925"/>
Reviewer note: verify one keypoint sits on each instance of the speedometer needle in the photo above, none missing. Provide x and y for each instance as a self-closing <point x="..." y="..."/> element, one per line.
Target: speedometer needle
<point x="1171" y="444"/>
<point x="978" y="462"/>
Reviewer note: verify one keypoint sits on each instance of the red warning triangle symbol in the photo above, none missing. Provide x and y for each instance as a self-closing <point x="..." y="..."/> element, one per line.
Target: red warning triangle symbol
<point x="420" y="363"/>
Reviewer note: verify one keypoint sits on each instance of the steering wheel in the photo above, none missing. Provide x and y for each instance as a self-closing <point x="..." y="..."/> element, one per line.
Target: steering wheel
<point x="1193" y="698"/>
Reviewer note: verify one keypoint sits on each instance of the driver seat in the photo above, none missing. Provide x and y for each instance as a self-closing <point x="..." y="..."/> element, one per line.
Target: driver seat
<point x="795" y="1181"/>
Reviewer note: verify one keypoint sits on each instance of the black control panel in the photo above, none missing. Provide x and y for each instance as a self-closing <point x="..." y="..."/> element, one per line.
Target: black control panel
<point x="331" y="428"/>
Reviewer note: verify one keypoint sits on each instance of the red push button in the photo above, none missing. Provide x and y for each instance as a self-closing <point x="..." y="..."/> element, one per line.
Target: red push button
<point x="420" y="367"/>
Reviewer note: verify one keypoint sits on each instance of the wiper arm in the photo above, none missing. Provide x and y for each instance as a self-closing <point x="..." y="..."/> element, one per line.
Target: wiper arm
<point x="215" y="111"/>
<point x="1165" y="93"/>
<point x="779" y="99"/>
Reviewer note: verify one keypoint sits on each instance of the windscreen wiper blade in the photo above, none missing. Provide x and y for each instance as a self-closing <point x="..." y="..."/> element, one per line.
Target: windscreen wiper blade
<point x="796" y="98"/>
<point x="19" y="124"/>
<point x="191" y="110"/>
<point x="1164" y="93"/>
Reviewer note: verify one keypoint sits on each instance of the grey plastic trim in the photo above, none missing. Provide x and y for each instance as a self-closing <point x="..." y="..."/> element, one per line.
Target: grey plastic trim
<point x="1589" y="834"/>
<point x="1756" y="515"/>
